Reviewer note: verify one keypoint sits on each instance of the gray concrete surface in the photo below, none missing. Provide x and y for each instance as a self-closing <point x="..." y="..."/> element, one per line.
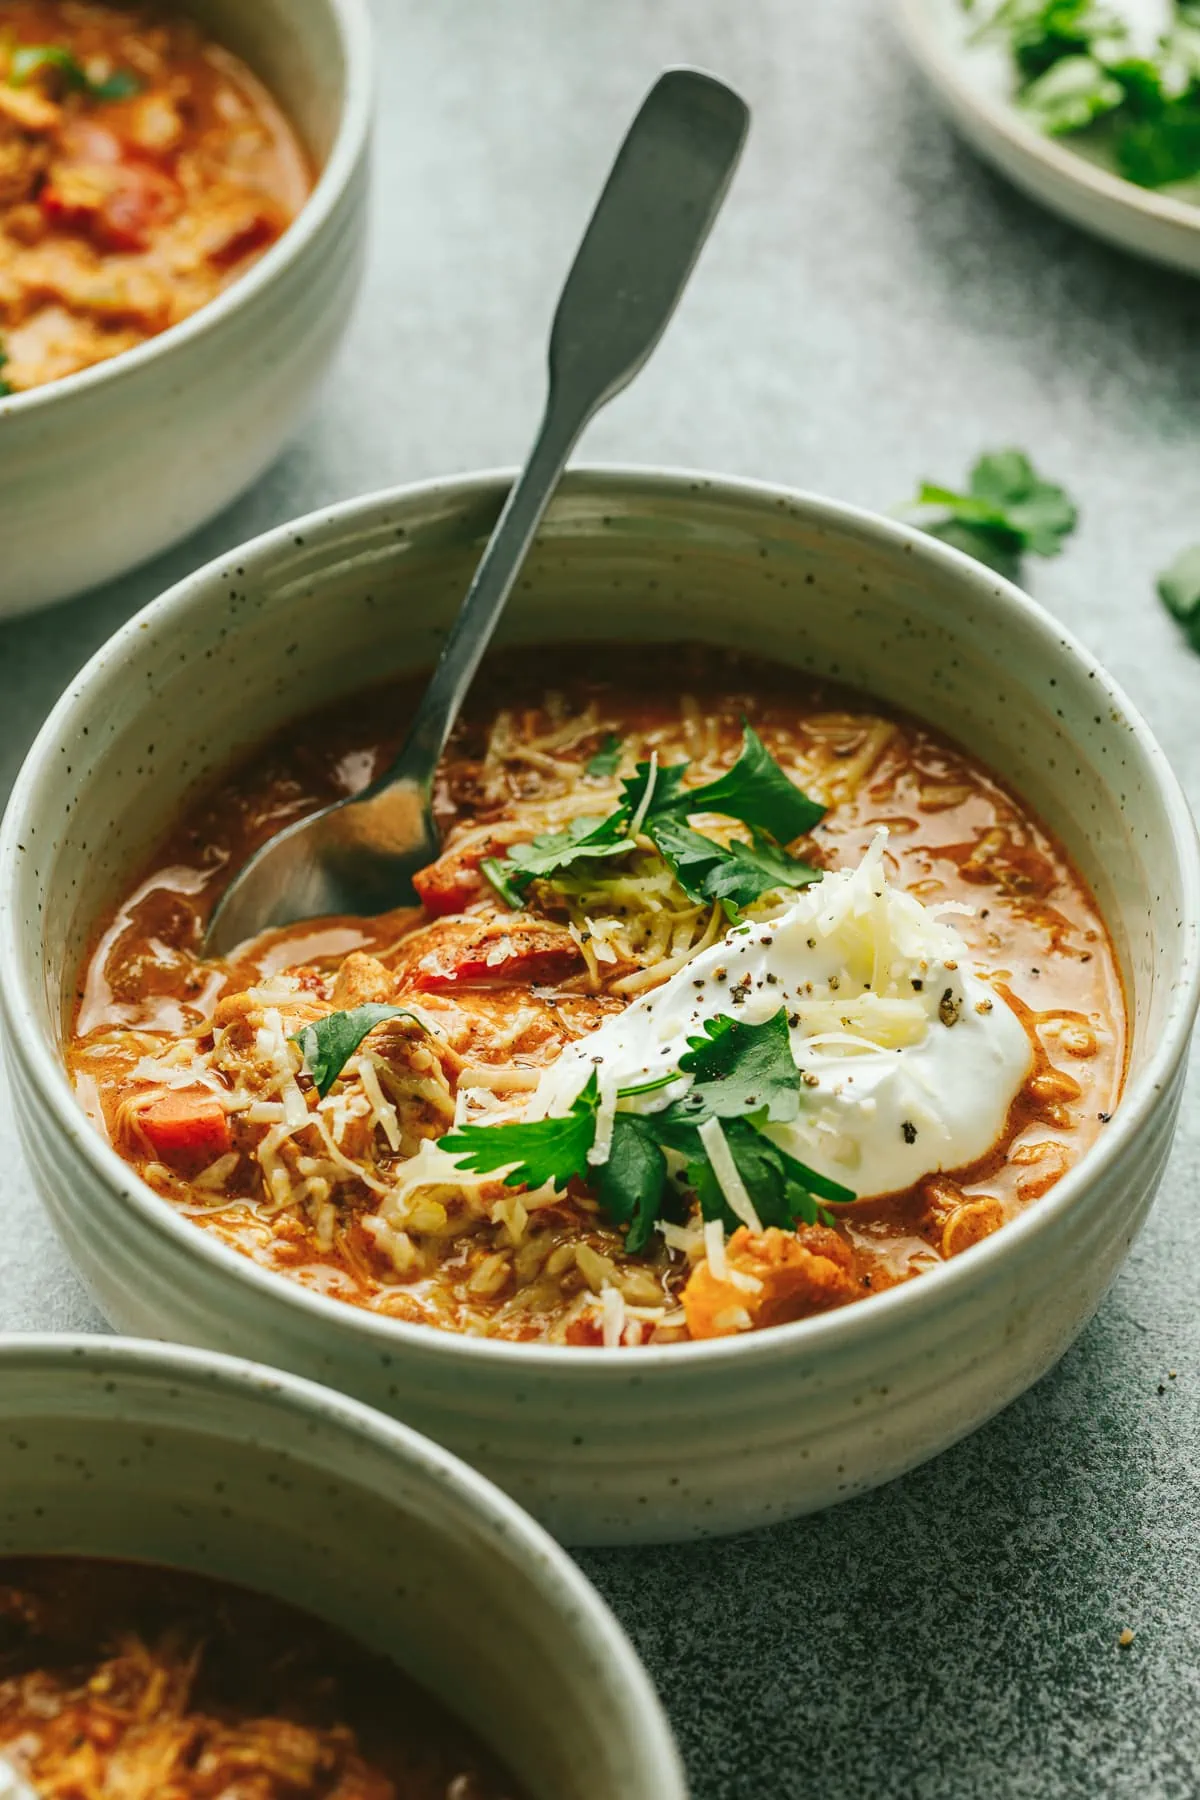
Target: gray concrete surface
<point x="873" y="307"/>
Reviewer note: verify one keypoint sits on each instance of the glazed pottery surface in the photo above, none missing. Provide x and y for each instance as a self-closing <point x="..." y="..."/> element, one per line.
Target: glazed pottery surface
<point x="676" y="1440"/>
<point x="108" y="467"/>
<point x="207" y="1463"/>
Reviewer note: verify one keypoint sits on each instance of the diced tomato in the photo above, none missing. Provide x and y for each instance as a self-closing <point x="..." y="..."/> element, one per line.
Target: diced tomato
<point x="469" y="955"/>
<point x="187" y="1128"/>
<point x="448" y="885"/>
<point x="119" y="206"/>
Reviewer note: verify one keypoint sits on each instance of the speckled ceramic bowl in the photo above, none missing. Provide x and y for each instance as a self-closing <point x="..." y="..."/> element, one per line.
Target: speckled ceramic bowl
<point x="674" y="1440"/>
<point x="127" y="1449"/>
<point x="108" y="467"/>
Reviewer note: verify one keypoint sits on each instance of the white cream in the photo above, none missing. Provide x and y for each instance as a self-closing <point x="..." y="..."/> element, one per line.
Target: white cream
<point x="907" y="1060"/>
<point x="13" y="1785"/>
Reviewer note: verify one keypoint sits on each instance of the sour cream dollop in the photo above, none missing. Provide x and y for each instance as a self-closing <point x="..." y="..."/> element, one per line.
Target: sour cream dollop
<point x="907" y="1059"/>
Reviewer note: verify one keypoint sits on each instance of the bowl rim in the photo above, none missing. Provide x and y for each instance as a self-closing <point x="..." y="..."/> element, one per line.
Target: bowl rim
<point x="580" y="1609"/>
<point x="827" y="1333"/>
<point x="928" y="45"/>
<point x="352" y="24"/>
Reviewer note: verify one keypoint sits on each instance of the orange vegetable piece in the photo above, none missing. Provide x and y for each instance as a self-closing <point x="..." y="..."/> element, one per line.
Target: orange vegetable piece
<point x="798" y="1273"/>
<point x="187" y="1128"/>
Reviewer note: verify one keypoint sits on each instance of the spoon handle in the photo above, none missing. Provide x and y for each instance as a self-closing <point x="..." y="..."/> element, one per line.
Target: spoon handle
<point x="658" y="205"/>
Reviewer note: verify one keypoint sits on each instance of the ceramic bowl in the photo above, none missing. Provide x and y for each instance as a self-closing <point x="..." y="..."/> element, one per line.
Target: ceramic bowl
<point x="1069" y="174"/>
<point x="126" y="1449"/>
<point x="108" y="467"/>
<point x="673" y="1440"/>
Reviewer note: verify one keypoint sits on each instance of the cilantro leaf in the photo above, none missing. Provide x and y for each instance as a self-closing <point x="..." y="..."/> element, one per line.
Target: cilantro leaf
<point x="328" y="1045"/>
<point x="541" y="1150"/>
<point x="1179" y="591"/>
<point x="756" y="791"/>
<point x="783" y="1191"/>
<point x="739" y="1069"/>
<point x="29" y="60"/>
<point x="1008" y="509"/>
<point x="585" y="839"/>
<point x="736" y="876"/>
<point x="630" y="1185"/>
<point x="607" y="758"/>
<point x="1155" y="151"/>
<point x="662" y="785"/>
<point x="1071" y="94"/>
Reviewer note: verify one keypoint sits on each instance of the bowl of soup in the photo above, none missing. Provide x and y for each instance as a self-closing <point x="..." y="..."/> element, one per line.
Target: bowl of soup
<point x="217" y="1579"/>
<point x="182" y="218"/>
<point x="777" y="1061"/>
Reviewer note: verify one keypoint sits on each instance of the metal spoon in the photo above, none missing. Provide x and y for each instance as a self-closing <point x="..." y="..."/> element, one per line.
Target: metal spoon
<point x="666" y="188"/>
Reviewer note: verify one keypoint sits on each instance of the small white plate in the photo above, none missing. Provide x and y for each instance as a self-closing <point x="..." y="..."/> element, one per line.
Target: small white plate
<point x="1066" y="174"/>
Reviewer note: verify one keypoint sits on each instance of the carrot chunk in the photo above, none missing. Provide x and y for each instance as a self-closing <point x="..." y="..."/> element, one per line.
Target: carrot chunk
<point x="187" y="1129"/>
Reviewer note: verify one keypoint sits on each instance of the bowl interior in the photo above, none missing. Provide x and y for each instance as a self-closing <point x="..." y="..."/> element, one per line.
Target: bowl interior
<point x="217" y="1467"/>
<point x="297" y="48"/>
<point x="316" y="611"/>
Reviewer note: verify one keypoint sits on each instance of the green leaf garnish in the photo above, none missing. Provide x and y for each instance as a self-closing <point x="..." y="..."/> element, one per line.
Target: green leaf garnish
<point x="1007" y="510"/>
<point x="607" y="759"/>
<point x="756" y="791"/>
<point x="631" y="1184"/>
<point x="5" y="389"/>
<point x="1179" y="591"/>
<point x="540" y="1150"/>
<point x="1071" y="94"/>
<point x="329" y="1043"/>
<point x="654" y="803"/>
<point x="30" y="59"/>
<point x="742" y="1074"/>
<point x="739" y="1070"/>
<point x="584" y="840"/>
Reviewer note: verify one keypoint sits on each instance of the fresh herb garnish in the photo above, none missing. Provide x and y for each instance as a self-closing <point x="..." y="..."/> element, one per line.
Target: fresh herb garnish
<point x="1079" y="68"/>
<point x="654" y="802"/>
<point x="756" y="791"/>
<point x="1179" y="591"/>
<point x="742" y="1075"/>
<point x="739" y="1069"/>
<point x="328" y="1045"/>
<point x="5" y="389"/>
<point x="607" y="759"/>
<point x="30" y="59"/>
<point x="1007" y="511"/>
<point x="540" y="1150"/>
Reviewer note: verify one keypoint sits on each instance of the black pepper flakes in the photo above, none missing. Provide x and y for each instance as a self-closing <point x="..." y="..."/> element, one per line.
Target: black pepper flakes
<point x="949" y="1008"/>
<point x="908" y="1131"/>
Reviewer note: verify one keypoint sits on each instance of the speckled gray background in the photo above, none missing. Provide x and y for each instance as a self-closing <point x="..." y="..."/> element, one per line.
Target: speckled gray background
<point x="873" y="307"/>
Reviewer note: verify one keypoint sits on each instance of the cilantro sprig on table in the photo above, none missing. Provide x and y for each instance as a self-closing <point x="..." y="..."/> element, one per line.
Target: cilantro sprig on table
<point x="30" y="60"/>
<point x="1078" y="66"/>
<point x="742" y="1075"/>
<point x="655" y="805"/>
<point x="1179" y="591"/>
<point x="1008" y="510"/>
